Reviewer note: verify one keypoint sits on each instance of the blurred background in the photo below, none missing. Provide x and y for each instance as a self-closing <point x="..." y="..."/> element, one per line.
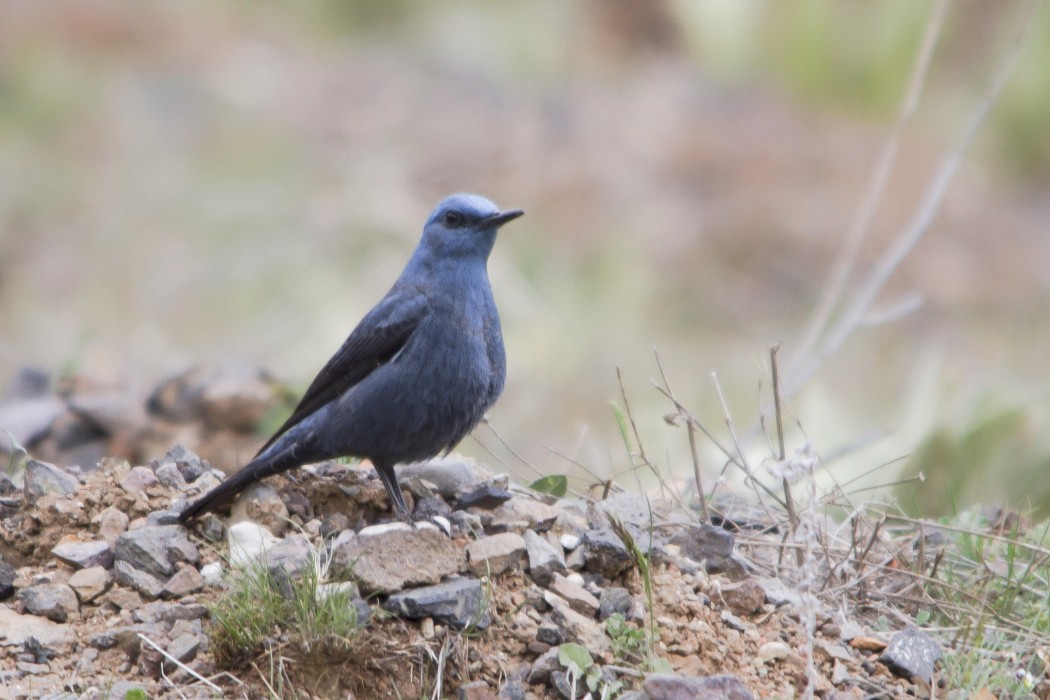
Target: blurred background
<point x="206" y="182"/>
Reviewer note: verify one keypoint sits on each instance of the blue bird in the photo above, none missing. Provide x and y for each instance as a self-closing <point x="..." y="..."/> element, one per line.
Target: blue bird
<point x="417" y="373"/>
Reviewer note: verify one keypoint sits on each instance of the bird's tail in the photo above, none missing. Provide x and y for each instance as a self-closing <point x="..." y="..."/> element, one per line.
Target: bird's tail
<point x="231" y="487"/>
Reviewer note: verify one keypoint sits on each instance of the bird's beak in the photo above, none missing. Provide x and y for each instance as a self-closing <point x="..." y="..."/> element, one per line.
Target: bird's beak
<point x="497" y="220"/>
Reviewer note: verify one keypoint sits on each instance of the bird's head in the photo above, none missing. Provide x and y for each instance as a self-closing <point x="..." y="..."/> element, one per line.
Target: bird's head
<point x="464" y="225"/>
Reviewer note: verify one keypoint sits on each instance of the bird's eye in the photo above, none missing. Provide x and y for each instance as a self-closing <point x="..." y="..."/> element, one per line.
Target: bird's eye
<point x="453" y="218"/>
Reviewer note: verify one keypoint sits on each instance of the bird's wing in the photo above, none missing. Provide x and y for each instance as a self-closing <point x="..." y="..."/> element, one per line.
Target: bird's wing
<point x="378" y="337"/>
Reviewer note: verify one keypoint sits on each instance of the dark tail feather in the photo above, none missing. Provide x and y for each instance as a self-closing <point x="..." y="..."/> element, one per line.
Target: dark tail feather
<point x="231" y="487"/>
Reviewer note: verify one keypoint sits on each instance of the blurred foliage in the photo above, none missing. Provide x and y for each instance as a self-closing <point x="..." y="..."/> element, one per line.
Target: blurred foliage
<point x="997" y="454"/>
<point x="197" y="181"/>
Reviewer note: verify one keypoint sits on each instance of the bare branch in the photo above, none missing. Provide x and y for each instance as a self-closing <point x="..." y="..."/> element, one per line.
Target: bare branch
<point x="861" y="224"/>
<point x="919" y="224"/>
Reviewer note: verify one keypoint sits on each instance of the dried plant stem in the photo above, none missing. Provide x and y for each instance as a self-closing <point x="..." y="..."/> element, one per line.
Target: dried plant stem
<point x="506" y="446"/>
<point x="691" y="426"/>
<point x="788" y="501"/>
<point x="741" y="460"/>
<point x="665" y="487"/>
<point x="178" y="663"/>
<point x="856" y="310"/>
<point x="860" y="227"/>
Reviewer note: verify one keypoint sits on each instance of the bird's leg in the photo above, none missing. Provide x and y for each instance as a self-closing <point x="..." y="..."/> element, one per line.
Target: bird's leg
<point x="393" y="491"/>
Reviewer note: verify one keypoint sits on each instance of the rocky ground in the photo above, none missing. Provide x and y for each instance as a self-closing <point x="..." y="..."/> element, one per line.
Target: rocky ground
<point x="102" y="591"/>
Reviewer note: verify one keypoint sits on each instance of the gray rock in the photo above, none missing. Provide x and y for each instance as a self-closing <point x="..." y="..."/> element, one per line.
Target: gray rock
<point x="701" y="542"/>
<point x="148" y="585"/>
<point x="139" y="479"/>
<point x="670" y="686"/>
<point x="578" y="597"/>
<point x="7" y="487"/>
<point x="579" y="628"/>
<point x="550" y="634"/>
<point x="773" y="651"/>
<point x="545" y="559"/>
<point x="460" y="603"/>
<point x="575" y="559"/>
<point x="55" y="601"/>
<point x="156" y="548"/>
<point x="615" y="600"/>
<point x="112" y="523"/>
<point x="912" y="654"/>
<point x="430" y="508"/>
<point x="116" y="413"/>
<point x="32" y="669"/>
<point x="169" y="613"/>
<point x="185" y="581"/>
<point x="184" y="648"/>
<point x="733" y="568"/>
<point x="362" y="612"/>
<point x="627" y="507"/>
<point x="90" y="583"/>
<point x="485" y="496"/>
<point x="334" y="523"/>
<point x="542" y="668"/>
<point x="247" y="543"/>
<point x="9" y="506"/>
<point x="512" y="690"/>
<point x="497" y="553"/>
<point x="570" y="525"/>
<point x="449" y="475"/>
<point x="170" y="477"/>
<point x="419" y="488"/>
<point x="28" y="419"/>
<point x="744" y="597"/>
<point x="290" y="556"/>
<point x="260" y="503"/>
<point x="560" y="683"/>
<point x="43" y="479"/>
<point x="16" y="630"/>
<point x="163" y="517"/>
<point x="189" y="465"/>
<point x="7" y="580"/>
<point x="521" y="512"/>
<point x="212" y="528"/>
<point x="28" y="383"/>
<point x="387" y="558"/>
<point x="605" y="553"/>
<point x="466" y="521"/>
<point x="35" y="652"/>
<point x="83" y="555"/>
<point x="122" y="598"/>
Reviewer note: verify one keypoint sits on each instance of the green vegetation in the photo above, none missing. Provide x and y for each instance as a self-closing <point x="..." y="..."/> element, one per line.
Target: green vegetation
<point x="553" y="484"/>
<point x="577" y="662"/>
<point x="629" y="642"/>
<point x="260" y="606"/>
<point x="990" y="590"/>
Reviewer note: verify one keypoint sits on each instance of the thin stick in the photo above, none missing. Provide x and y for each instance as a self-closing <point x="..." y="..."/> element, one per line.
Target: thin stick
<point x="506" y="445"/>
<point x="860" y="227"/>
<point x="920" y="222"/>
<point x="690" y="424"/>
<point x="755" y="483"/>
<point x="630" y="417"/>
<point x="178" y="663"/>
<point x="788" y="500"/>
